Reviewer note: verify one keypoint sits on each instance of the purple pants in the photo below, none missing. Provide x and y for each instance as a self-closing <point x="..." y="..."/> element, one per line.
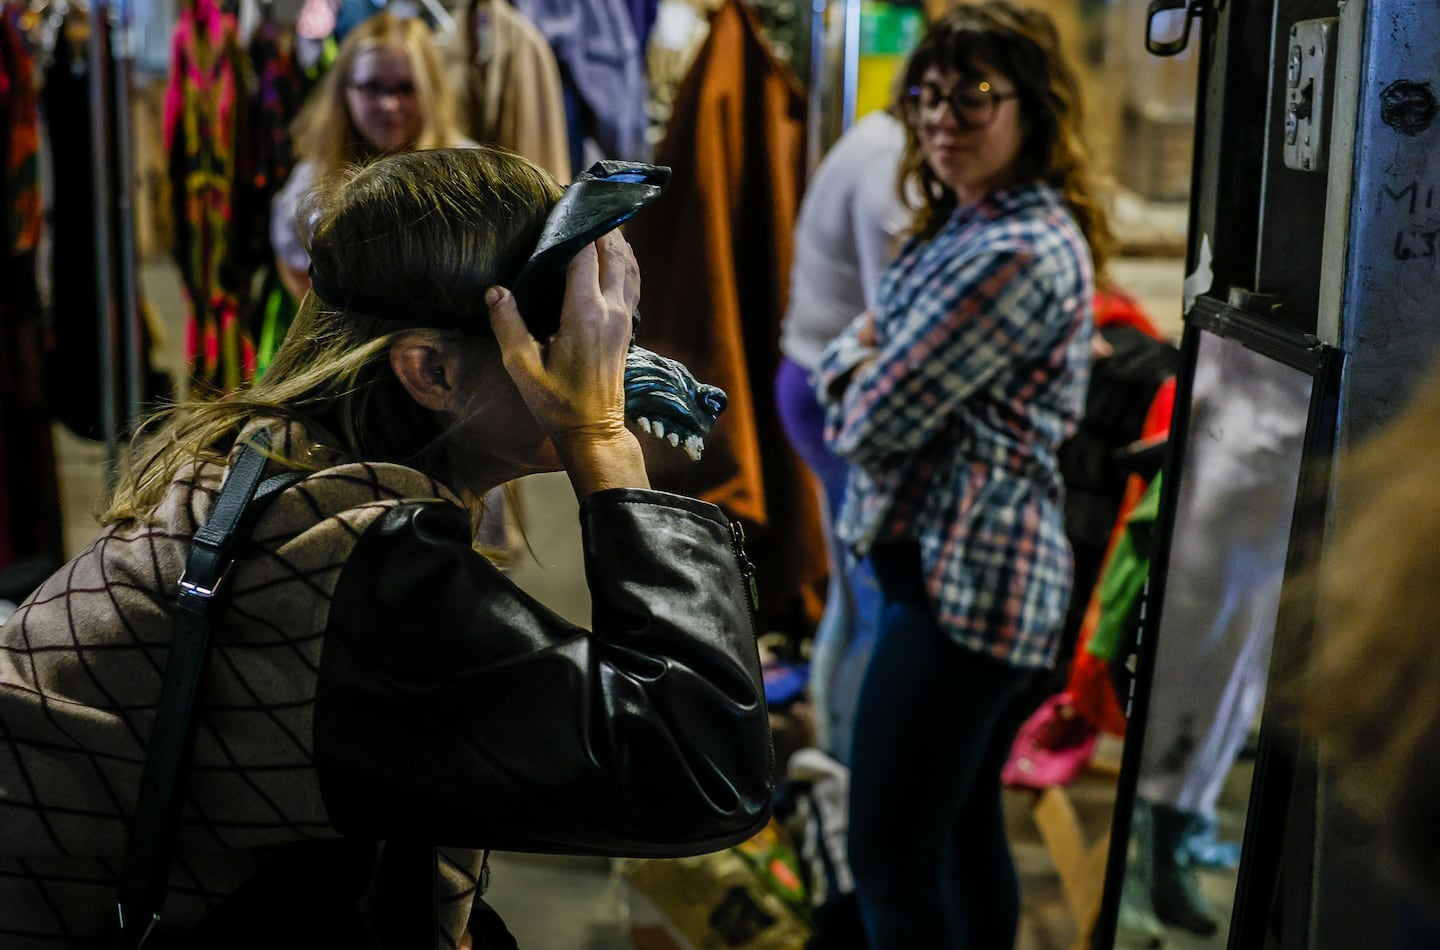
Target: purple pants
<point x="847" y="628"/>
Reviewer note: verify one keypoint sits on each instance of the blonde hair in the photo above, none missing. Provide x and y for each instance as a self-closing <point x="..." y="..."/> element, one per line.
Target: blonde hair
<point x="433" y="229"/>
<point x="325" y="132"/>
<point x="1024" y="46"/>
<point x="1372" y="686"/>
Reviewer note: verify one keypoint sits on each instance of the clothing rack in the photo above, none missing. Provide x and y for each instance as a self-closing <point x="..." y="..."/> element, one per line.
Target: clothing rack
<point x="446" y="30"/>
<point x="818" y="138"/>
<point x="118" y="319"/>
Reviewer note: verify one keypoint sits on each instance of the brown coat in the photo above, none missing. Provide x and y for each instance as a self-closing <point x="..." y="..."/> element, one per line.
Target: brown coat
<point x="510" y="92"/>
<point x="715" y="255"/>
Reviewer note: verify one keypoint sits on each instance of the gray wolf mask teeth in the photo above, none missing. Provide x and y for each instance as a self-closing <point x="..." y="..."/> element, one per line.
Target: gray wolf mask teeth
<point x="662" y="397"/>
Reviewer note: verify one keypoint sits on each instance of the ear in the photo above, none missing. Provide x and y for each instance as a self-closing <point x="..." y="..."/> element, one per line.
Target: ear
<point x="429" y="369"/>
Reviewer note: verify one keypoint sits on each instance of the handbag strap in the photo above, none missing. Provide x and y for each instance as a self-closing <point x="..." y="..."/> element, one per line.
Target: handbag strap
<point x="155" y="825"/>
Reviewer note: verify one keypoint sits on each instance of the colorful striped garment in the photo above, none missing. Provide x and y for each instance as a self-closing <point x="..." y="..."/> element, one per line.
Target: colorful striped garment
<point x="201" y="130"/>
<point x="19" y="104"/>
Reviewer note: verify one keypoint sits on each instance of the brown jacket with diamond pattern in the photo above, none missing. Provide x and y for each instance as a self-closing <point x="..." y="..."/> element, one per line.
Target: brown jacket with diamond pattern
<point x="376" y="677"/>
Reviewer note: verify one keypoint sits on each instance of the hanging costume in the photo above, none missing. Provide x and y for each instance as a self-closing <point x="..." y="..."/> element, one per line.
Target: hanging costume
<point x="602" y="67"/>
<point x="74" y="306"/>
<point x="1098" y="684"/>
<point x="29" y="488"/>
<point x="509" y="84"/>
<point x="203" y="131"/>
<point x="1110" y="535"/>
<point x="715" y="252"/>
<point x="278" y="95"/>
<point x="1122" y="386"/>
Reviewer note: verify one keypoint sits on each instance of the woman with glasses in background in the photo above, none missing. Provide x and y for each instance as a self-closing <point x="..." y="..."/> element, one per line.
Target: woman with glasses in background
<point x="385" y="93"/>
<point x="950" y="400"/>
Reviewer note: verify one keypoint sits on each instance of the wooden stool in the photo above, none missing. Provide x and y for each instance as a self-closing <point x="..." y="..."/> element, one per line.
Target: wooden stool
<point x="1080" y="866"/>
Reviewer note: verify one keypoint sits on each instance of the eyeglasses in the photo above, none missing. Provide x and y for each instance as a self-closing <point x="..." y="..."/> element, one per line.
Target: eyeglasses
<point x="974" y="105"/>
<point x="373" y="89"/>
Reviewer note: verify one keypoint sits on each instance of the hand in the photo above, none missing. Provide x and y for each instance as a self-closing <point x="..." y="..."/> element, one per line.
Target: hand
<point x="1100" y="347"/>
<point x="864" y="325"/>
<point x="865" y="335"/>
<point x="573" y="383"/>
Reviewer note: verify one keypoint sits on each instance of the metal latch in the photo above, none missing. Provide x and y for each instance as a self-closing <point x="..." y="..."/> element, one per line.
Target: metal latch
<point x="1309" y="79"/>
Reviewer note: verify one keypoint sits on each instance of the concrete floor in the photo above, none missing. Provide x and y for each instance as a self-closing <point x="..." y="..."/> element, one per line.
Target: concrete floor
<point x="554" y="903"/>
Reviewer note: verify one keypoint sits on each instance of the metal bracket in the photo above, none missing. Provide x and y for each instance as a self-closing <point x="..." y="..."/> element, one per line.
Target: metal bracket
<point x="1255" y="302"/>
<point x="1309" y="81"/>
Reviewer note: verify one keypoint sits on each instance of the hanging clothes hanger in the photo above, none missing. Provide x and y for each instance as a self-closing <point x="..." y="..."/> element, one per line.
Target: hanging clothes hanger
<point x="247" y="18"/>
<point x="482" y="31"/>
<point x="445" y="30"/>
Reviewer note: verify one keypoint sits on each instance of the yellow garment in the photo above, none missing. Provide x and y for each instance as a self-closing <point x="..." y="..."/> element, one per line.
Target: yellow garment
<point x="509" y="84"/>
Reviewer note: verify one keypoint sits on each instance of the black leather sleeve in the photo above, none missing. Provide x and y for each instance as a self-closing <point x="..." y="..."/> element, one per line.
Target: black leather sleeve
<point x="454" y="709"/>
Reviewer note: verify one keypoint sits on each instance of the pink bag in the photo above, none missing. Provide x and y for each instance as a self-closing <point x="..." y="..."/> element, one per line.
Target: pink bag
<point x="1052" y="748"/>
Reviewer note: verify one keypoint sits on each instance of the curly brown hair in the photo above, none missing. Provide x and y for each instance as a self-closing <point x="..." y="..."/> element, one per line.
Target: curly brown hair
<point x="1024" y="46"/>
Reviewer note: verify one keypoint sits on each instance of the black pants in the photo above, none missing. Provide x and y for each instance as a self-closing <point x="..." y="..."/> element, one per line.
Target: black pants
<point x="933" y="728"/>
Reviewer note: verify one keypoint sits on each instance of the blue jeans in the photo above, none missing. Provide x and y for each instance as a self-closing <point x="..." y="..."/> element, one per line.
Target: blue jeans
<point x="934" y="725"/>
<point x="846" y="631"/>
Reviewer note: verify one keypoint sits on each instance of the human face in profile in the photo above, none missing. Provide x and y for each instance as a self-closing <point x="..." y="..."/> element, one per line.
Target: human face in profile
<point x="969" y="128"/>
<point x="384" y="99"/>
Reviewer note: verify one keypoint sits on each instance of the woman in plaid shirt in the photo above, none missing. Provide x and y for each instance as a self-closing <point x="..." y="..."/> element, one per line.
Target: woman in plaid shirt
<point x="950" y="400"/>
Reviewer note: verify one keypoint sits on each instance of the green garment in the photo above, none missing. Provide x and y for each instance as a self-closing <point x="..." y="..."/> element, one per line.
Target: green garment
<point x="1124" y="576"/>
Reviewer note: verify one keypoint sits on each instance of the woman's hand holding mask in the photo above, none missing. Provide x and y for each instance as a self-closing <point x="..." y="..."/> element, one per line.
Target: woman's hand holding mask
<point x="573" y="383"/>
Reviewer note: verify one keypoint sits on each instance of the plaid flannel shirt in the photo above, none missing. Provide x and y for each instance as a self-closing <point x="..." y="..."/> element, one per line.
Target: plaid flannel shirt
<point x="952" y="421"/>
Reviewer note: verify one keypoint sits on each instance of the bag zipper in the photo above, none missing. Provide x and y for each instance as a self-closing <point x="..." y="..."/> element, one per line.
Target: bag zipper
<point x="747" y="571"/>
